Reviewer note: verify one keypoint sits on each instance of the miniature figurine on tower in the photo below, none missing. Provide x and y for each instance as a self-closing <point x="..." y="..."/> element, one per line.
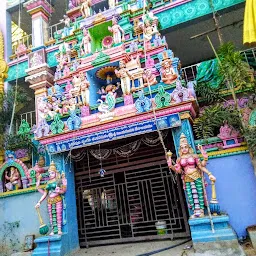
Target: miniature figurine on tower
<point x="118" y="32"/>
<point x="86" y="8"/>
<point x="85" y="46"/>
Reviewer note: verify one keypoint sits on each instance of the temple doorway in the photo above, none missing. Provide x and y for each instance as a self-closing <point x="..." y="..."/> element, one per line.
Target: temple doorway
<point x="135" y="193"/>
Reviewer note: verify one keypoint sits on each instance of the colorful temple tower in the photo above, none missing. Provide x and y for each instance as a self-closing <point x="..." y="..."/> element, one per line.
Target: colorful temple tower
<point x="116" y="156"/>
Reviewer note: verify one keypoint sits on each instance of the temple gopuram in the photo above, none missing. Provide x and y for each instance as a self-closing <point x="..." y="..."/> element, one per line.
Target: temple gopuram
<point x="127" y="121"/>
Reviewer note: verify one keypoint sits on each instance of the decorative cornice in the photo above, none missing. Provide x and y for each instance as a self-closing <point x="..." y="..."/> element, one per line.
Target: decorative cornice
<point x="40" y="76"/>
<point x="189" y="11"/>
<point x="20" y="192"/>
<point x="227" y="152"/>
<point x="97" y="127"/>
<point x="34" y="6"/>
<point x="186" y="115"/>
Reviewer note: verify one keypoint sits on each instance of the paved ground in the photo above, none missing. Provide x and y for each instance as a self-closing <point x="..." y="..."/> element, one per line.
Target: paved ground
<point x="135" y="249"/>
<point x="139" y="249"/>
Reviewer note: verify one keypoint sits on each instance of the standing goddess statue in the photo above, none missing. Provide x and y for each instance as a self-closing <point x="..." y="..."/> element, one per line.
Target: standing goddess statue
<point x="55" y="188"/>
<point x="192" y="168"/>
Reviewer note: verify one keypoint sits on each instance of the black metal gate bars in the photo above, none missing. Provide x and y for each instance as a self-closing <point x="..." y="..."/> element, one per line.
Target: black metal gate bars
<point x="125" y="205"/>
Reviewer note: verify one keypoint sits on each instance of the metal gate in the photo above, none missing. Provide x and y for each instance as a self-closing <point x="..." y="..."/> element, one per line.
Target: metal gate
<point x="125" y="205"/>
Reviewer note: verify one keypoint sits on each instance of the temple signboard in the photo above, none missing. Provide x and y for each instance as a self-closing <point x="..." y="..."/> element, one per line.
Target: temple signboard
<point x="147" y="126"/>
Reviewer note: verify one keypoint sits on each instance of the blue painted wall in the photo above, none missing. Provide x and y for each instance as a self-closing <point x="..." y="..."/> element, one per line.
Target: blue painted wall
<point x="236" y="189"/>
<point x="22" y="208"/>
<point x="71" y="227"/>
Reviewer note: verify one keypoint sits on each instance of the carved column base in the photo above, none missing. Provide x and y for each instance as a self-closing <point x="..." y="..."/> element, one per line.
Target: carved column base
<point x="24" y="182"/>
<point x="85" y="111"/>
<point x="128" y="99"/>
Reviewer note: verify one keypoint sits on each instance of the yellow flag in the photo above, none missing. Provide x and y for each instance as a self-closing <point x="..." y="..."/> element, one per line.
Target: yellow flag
<point x="250" y="22"/>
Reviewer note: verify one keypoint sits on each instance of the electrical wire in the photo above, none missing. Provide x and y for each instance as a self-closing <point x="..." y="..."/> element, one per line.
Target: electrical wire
<point x="159" y="131"/>
<point x="164" y="249"/>
<point x="150" y="92"/>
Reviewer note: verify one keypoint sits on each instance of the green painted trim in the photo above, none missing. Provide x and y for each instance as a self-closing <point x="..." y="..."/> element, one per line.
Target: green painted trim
<point x="14" y="164"/>
<point x="208" y="141"/>
<point x="229" y="154"/>
<point x="192" y="10"/>
<point x="101" y="59"/>
<point x="209" y="150"/>
<point x="17" y="71"/>
<point x="19" y="192"/>
<point x="51" y="59"/>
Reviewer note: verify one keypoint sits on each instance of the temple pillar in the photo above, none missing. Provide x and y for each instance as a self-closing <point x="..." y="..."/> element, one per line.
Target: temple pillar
<point x="40" y="12"/>
<point x="41" y="77"/>
<point x="68" y="242"/>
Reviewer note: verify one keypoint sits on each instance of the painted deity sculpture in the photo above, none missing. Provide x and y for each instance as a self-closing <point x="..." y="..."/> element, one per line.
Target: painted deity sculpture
<point x="150" y="26"/>
<point x="66" y="31"/>
<point x="55" y="188"/>
<point x="180" y="93"/>
<point x="64" y="55"/>
<point x="71" y="4"/>
<point x="149" y="78"/>
<point x="118" y="32"/>
<point x="125" y="77"/>
<point x="85" y="93"/>
<point x="36" y="60"/>
<point x="167" y="72"/>
<point x="14" y="179"/>
<point x="86" y="8"/>
<point x="76" y="91"/>
<point x="44" y="108"/>
<point x="111" y="3"/>
<point x="106" y="108"/>
<point x="191" y="168"/>
<point x="85" y="45"/>
<point x="21" y="49"/>
<point x="110" y="89"/>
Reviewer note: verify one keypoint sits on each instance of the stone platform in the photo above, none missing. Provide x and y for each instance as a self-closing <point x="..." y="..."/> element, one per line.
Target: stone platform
<point x="52" y="245"/>
<point x="222" y="238"/>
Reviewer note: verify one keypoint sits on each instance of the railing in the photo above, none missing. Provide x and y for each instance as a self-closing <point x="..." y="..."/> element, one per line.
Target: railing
<point x="25" y="43"/>
<point x="54" y="28"/>
<point x="190" y="72"/>
<point x="30" y="117"/>
<point x="249" y="55"/>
